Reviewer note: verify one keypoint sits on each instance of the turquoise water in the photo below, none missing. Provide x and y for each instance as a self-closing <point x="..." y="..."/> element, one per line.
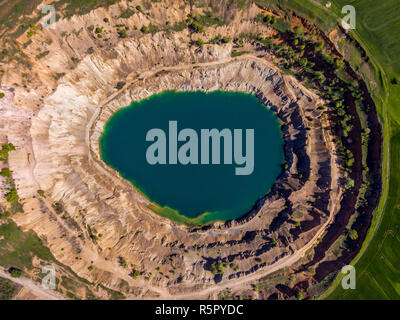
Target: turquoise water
<point x="195" y="193"/>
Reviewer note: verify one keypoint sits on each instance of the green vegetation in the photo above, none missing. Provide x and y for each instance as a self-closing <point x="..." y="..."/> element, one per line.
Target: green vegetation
<point x="7" y="289"/>
<point x="179" y="26"/>
<point x="127" y="14"/>
<point x="120" y="85"/>
<point x="6" y="148"/>
<point x="377" y="33"/>
<point x="57" y="76"/>
<point x="217" y="267"/>
<point x="2" y="95"/>
<point x="200" y="42"/>
<point x="122" y="33"/>
<point x="238" y="53"/>
<point x="299" y="295"/>
<point x="199" y="22"/>
<point x="58" y="207"/>
<point x="122" y="262"/>
<point x="15" y="273"/>
<point x="19" y="248"/>
<point x="12" y="195"/>
<point x="196" y="27"/>
<point x="114" y="295"/>
<point x="353" y="235"/>
<point x="5" y="172"/>
<point x="135" y="274"/>
<point x="234" y="267"/>
<point x="42" y="54"/>
<point x="81" y="6"/>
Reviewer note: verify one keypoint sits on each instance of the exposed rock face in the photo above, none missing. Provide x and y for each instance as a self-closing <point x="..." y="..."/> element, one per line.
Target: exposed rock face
<point x="104" y="218"/>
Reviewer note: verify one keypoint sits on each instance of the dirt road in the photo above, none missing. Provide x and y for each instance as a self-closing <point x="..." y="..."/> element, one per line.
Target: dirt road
<point x="35" y="288"/>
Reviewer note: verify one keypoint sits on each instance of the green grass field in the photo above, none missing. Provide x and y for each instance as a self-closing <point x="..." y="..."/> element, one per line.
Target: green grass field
<point x="18" y="248"/>
<point x="378" y="32"/>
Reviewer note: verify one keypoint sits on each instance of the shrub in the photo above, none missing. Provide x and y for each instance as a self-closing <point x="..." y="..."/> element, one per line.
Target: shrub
<point x="135" y="274"/>
<point x="353" y="234"/>
<point x="5" y="172"/>
<point x="200" y="42"/>
<point x="122" y="262"/>
<point x="349" y="184"/>
<point x="2" y="95"/>
<point x="6" y="148"/>
<point x="122" y="33"/>
<point x="179" y="26"/>
<point x="120" y="85"/>
<point x="126" y="14"/>
<point x="58" y="207"/>
<point x="15" y="273"/>
<point x="197" y="27"/>
<point x="12" y="195"/>
<point x="299" y="295"/>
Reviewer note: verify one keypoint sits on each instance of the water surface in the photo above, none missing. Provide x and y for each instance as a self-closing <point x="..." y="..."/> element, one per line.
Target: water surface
<point x="195" y="194"/>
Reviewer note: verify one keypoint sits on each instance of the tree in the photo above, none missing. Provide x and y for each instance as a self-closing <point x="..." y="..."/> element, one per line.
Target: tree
<point x="58" y="207"/>
<point x="267" y="19"/>
<point x="349" y="184"/>
<point x="5" y="172"/>
<point x="122" y="262"/>
<point x="200" y="42"/>
<point x="120" y="85"/>
<point x="6" y="148"/>
<point x="299" y="295"/>
<point x="15" y="273"/>
<point x="135" y="274"/>
<point x="122" y="33"/>
<point x="353" y="234"/>
<point x="12" y="196"/>
<point x="197" y="27"/>
<point x="144" y="29"/>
